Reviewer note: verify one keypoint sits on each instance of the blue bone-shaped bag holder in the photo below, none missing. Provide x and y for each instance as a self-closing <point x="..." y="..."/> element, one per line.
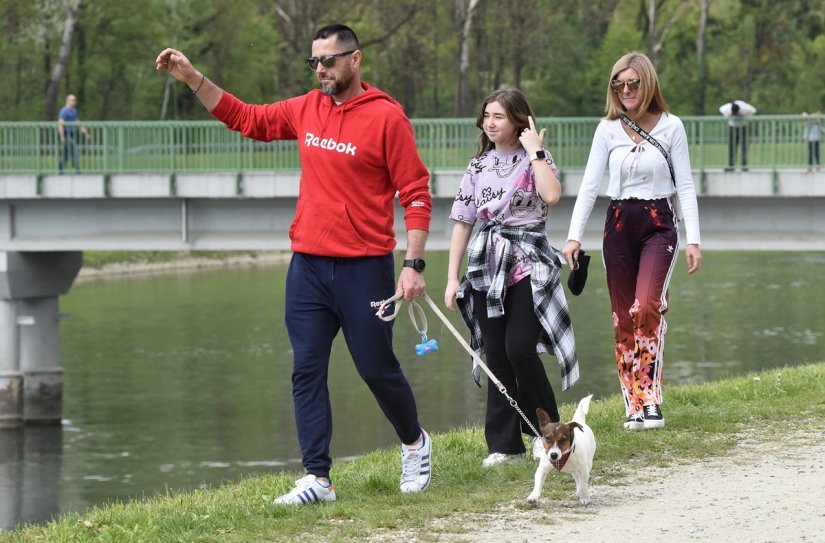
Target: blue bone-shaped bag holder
<point x="426" y="346"/>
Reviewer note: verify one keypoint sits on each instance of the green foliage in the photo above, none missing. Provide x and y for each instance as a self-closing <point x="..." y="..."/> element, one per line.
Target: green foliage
<point x="560" y="52"/>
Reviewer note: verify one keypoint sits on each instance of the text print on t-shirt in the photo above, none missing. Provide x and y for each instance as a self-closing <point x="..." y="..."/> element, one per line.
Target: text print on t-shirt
<point x="311" y="140"/>
<point x="488" y="195"/>
<point x="461" y="197"/>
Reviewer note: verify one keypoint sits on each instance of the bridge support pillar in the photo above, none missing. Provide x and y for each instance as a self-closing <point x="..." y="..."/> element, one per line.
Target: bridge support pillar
<point x="11" y="378"/>
<point x="31" y="378"/>
<point x="31" y="464"/>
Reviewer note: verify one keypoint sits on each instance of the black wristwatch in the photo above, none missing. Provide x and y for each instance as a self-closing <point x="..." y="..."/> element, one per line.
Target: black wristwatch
<point x="417" y="264"/>
<point x="540" y="154"/>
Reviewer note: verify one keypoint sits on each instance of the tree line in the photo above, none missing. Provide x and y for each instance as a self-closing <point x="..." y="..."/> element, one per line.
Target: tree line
<point x="439" y="58"/>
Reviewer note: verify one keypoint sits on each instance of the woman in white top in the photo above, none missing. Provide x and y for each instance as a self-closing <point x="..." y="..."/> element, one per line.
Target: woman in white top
<point x="641" y="236"/>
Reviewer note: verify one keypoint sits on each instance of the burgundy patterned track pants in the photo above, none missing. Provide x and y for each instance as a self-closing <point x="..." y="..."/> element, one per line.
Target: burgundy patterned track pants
<point x="641" y="244"/>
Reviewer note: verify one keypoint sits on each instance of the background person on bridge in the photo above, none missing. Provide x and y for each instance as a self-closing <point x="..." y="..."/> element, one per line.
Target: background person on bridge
<point x="68" y="123"/>
<point x="813" y="135"/>
<point x="737" y="113"/>
<point x="357" y="150"/>
<point x="641" y="236"/>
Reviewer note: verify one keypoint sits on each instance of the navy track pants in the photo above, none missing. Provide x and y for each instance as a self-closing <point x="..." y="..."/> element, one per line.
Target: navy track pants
<point x="325" y="295"/>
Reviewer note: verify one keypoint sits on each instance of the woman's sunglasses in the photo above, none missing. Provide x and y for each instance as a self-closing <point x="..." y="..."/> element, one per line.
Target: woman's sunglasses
<point x="327" y="61"/>
<point x="618" y="85"/>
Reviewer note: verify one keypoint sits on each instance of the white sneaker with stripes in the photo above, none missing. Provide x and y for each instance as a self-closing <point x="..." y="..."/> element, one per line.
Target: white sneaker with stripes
<point x="308" y="489"/>
<point x="415" y="465"/>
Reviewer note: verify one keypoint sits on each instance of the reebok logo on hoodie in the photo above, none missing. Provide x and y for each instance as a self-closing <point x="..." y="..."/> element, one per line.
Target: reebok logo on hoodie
<point x="330" y="144"/>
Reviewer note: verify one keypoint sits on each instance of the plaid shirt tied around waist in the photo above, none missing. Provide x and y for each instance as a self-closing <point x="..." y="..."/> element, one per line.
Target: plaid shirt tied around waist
<point x="549" y="301"/>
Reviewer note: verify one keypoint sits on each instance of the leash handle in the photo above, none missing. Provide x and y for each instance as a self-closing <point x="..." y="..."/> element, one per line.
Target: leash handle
<point x="412" y="308"/>
<point x="382" y="308"/>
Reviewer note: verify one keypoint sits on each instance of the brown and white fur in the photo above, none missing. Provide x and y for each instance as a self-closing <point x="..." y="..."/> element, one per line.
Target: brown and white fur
<point x="558" y="438"/>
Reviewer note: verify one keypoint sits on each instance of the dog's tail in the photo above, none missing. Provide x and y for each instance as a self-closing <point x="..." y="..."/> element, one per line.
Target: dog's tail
<point x="582" y="409"/>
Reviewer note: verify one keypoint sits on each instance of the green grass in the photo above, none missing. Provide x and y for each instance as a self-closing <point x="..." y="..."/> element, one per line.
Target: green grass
<point x="98" y="259"/>
<point x="702" y="420"/>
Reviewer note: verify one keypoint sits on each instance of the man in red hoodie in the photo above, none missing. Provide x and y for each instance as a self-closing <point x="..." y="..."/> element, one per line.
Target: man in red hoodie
<point x="357" y="151"/>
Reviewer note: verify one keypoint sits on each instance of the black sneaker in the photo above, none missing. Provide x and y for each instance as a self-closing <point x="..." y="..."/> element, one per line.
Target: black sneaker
<point x="634" y="422"/>
<point x="653" y="417"/>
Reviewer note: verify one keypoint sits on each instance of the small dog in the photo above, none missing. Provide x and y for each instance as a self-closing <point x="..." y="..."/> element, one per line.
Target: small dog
<point x="568" y="447"/>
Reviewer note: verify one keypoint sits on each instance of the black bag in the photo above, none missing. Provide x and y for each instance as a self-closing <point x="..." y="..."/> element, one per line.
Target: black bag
<point x="578" y="275"/>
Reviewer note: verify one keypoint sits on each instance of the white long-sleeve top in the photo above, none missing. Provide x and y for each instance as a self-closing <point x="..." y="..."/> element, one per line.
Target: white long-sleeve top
<point x="638" y="170"/>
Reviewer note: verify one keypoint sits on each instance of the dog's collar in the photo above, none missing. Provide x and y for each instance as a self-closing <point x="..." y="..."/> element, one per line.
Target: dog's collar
<point x="559" y="464"/>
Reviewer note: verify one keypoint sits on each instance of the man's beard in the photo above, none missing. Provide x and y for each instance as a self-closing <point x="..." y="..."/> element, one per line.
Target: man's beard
<point x="329" y="88"/>
<point x="333" y="88"/>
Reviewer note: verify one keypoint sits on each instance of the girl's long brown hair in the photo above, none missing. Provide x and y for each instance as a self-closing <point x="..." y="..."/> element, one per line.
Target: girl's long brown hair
<point x="515" y="106"/>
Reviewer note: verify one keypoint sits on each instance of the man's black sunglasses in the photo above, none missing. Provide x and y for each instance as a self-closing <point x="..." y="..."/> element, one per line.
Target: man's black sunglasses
<point x="327" y="61"/>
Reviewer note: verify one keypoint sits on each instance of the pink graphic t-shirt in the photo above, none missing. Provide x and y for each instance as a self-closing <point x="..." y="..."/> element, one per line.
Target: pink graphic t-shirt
<point x="501" y="187"/>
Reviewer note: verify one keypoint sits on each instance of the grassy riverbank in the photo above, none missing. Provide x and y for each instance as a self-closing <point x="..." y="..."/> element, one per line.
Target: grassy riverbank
<point x="702" y="420"/>
<point x="112" y="264"/>
<point x="100" y="259"/>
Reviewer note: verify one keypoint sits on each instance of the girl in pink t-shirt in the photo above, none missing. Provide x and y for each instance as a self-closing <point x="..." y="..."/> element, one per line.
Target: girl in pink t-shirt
<point x="510" y="296"/>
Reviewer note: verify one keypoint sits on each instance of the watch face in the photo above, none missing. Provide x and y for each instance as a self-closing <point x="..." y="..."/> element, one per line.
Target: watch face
<point x="541" y="154"/>
<point x="417" y="264"/>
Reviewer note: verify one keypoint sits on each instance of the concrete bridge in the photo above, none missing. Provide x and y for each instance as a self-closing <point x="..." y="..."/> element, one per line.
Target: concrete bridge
<point x="46" y="221"/>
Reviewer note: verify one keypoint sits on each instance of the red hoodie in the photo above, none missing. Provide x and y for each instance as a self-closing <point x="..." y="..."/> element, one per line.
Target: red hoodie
<point x="354" y="158"/>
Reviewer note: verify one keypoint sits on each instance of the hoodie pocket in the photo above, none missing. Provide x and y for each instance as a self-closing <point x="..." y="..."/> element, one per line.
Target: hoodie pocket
<point x="325" y="228"/>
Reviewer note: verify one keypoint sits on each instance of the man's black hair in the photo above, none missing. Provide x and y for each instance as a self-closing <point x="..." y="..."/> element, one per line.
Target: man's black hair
<point x="344" y="35"/>
<point x="734" y="108"/>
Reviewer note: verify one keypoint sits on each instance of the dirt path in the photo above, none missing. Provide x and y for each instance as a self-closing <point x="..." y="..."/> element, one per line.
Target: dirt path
<point x="761" y="492"/>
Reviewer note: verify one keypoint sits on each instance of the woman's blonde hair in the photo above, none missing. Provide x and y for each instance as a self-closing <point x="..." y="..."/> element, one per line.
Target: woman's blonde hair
<point x="651" y="93"/>
<point x="515" y="106"/>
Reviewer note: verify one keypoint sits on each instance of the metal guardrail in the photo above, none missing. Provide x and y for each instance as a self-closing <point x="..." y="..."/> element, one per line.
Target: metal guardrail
<point x="774" y="142"/>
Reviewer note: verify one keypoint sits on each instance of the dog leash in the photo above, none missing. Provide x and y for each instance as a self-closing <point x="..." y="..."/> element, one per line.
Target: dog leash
<point x="427" y="345"/>
<point x="399" y="298"/>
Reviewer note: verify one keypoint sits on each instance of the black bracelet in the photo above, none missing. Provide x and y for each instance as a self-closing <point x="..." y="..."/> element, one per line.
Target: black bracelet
<point x="203" y="77"/>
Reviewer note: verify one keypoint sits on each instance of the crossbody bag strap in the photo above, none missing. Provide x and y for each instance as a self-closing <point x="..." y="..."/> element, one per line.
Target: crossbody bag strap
<point x="652" y="141"/>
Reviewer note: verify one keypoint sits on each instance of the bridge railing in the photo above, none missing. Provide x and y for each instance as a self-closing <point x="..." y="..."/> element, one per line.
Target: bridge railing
<point x="774" y="142"/>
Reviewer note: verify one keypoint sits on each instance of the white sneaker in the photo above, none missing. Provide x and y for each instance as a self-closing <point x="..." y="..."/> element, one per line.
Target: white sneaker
<point x="497" y="458"/>
<point x="307" y="490"/>
<point x="415" y="465"/>
<point x="538" y="448"/>
<point x="653" y="417"/>
<point x="634" y="422"/>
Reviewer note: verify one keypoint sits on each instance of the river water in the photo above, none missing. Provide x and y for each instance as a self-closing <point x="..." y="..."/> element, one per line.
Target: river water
<point x="182" y="380"/>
